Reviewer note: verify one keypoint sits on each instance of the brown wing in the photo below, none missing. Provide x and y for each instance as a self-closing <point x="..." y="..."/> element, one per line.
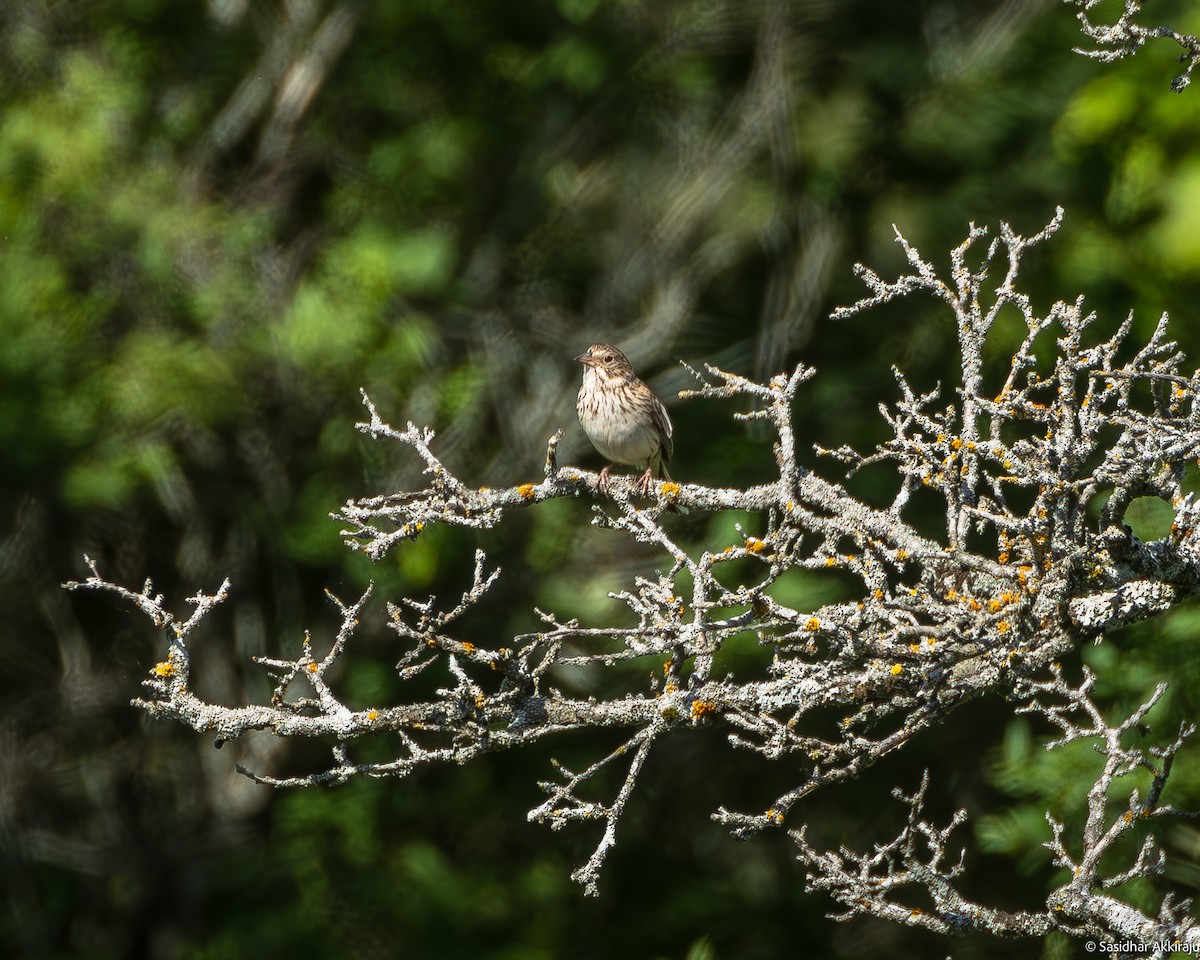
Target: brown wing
<point x="662" y="423"/>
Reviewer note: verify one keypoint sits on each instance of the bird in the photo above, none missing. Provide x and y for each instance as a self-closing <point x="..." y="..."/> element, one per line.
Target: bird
<point x="622" y="417"/>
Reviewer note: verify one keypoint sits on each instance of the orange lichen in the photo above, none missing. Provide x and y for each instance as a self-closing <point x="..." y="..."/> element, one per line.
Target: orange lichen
<point x="702" y="708"/>
<point x="526" y="491"/>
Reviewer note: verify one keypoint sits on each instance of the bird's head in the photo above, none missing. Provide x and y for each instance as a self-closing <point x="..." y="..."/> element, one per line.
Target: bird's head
<point x="607" y="361"/>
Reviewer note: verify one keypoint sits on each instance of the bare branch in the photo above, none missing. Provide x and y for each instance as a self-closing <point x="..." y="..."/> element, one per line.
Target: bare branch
<point x="1035" y="462"/>
<point x="1125" y="37"/>
<point x="918" y="857"/>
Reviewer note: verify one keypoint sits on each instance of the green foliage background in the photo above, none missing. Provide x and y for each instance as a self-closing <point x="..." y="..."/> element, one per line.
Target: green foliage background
<point x="192" y="290"/>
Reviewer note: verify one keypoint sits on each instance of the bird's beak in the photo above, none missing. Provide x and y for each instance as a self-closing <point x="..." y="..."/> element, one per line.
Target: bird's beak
<point x="586" y="360"/>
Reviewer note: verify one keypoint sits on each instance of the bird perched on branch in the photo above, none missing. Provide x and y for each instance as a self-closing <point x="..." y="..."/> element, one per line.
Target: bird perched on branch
<point x="622" y="417"/>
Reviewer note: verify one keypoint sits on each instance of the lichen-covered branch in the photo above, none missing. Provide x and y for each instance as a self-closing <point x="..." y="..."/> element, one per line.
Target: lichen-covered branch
<point x="1125" y="36"/>
<point x="918" y="858"/>
<point x="1034" y="460"/>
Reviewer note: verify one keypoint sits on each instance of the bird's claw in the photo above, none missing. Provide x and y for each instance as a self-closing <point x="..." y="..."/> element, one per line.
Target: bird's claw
<point x="645" y="482"/>
<point x="642" y="485"/>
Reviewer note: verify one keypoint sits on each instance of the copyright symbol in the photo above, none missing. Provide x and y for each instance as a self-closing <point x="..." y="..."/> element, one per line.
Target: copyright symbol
<point x="1090" y="946"/>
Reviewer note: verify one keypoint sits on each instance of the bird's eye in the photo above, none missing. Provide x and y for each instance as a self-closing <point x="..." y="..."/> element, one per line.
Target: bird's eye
<point x="608" y="358"/>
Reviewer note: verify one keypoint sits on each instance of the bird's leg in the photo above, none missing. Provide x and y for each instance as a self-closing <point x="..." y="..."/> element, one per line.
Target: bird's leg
<point x="645" y="482"/>
<point x="602" y="480"/>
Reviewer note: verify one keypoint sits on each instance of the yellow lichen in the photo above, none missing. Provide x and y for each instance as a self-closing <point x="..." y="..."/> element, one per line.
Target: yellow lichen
<point x="526" y="491"/>
<point x="812" y="624"/>
<point x="702" y="708"/>
<point x="897" y="669"/>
